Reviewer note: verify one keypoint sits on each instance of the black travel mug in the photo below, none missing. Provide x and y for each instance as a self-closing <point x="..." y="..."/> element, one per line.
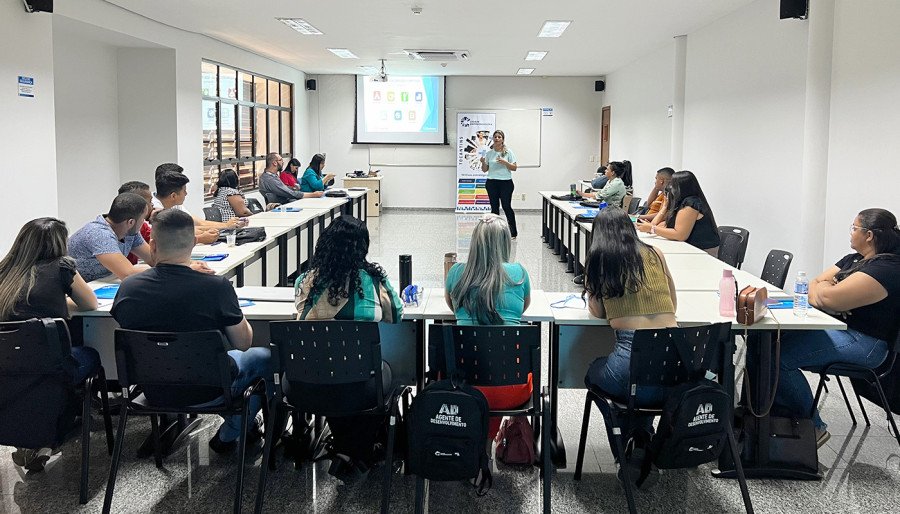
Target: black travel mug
<point x="405" y="271"/>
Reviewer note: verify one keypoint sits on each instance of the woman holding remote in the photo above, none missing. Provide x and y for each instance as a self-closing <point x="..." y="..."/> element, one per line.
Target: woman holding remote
<point x="499" y="162"/>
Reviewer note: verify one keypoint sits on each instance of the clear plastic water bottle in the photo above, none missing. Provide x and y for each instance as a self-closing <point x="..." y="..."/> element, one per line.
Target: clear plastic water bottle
<point x="801" y="295"/>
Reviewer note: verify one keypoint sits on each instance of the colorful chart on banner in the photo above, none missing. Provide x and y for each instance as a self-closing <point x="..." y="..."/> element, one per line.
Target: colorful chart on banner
<point x="473" y="140"/>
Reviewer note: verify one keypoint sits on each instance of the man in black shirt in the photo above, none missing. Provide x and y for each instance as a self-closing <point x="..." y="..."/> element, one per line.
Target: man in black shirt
<point x="172" y="297"/>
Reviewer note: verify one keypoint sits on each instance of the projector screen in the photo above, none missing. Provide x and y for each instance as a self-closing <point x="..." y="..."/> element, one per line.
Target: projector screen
<point x="401" y="110"/>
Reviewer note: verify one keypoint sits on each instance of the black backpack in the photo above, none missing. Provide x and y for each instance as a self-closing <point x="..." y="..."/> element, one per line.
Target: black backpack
<point x="692" y="427"/>
<point x="245" y="235"/>
<point x="448" y="427"/>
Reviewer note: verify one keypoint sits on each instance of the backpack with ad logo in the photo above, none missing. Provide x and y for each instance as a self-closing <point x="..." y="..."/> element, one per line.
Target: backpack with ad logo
<point x="515" y="442"/>
<point x="692" y="427"/>
<point x="448" y="426"/>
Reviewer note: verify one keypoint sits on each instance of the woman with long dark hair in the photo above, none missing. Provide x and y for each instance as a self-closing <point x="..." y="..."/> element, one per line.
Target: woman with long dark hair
<point x="38" y="280"/>
<point x="342" y="284"/>
<point x="687" y="217"/>
<point x="290" y="173"/>
<point x="230" y="200"/>
<point x="312" y="179"/>
<point x="863" y="290"/>
<point x="628" y="283"/>
<point x="499" y="162"/>
<point x="617" y="172"/>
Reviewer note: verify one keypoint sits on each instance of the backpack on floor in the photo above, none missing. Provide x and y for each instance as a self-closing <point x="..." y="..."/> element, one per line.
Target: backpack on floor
<point x="515" y="442"/>
<point x="692" y="427"/>
<point x="448" y="427"/>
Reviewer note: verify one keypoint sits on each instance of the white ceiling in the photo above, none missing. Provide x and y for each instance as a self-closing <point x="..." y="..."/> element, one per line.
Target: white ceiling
<point x="604" y="36"/>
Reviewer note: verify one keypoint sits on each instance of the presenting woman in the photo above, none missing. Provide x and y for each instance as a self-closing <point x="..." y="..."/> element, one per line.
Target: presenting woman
<point x="312" y="179"/>
<point x="863" y="290"/>
<point x="38" y="280"/>
<point x="499" y="162"/>
<point x="687" y="216"/>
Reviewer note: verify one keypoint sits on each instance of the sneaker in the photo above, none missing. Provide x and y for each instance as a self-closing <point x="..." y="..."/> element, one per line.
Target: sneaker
<point x="347" y="470"/>
<point x="22" y="456"/>
<point x="41" y="456"/>
<point x="515" y="238"/>
<point x="254" y="434"/>
<point x="822" y="437"/>
<point x="579" y="279"/>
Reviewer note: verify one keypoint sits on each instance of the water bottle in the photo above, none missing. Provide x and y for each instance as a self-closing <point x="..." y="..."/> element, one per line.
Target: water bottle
<point x="801" y="295"/>
<point x="727" y="294"/>
<point x="405" y="271"/>
<point x="602" y="206"/>
<point x="572" y="190"/>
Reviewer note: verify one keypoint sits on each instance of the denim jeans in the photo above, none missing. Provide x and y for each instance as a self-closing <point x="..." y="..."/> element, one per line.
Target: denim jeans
<point x="611" y="375"/>
<point x="87" y="363"/>
<point x="252" y="364"/>
<point x="812" y="350"/>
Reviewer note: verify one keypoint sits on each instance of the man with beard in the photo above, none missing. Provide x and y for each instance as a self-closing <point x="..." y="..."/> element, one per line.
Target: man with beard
<point x="99" y="248"/>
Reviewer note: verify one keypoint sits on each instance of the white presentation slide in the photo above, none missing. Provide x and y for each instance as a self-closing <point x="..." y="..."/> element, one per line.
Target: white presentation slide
<point x="401" y="110"/>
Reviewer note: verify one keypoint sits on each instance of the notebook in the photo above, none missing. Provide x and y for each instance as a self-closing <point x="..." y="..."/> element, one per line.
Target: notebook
<point x="107" y="292"/>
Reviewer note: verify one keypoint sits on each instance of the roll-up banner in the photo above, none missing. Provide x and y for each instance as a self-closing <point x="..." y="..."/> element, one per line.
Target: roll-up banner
<point x="473" y="140"/>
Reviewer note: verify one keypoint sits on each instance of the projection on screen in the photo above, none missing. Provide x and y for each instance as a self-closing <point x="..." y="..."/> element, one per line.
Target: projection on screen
<point x="400" y="110"/>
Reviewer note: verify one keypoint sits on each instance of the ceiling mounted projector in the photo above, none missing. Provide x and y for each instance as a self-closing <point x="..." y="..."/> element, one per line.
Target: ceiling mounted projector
<point x="382" y="75"/>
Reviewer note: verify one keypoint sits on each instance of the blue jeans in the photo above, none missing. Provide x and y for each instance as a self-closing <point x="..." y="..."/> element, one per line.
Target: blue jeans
<point x="812" y="350"/>
<point x="252" y="364"/>
<point x="611" y="375"/>
<point x="87" y="363"/>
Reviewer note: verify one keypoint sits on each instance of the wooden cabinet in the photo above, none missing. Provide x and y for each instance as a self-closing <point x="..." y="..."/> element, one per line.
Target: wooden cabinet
<point x="374" y="195"/>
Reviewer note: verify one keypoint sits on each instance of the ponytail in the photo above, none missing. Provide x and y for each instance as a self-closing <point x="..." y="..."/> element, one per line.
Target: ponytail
<point x="886" y="237"/>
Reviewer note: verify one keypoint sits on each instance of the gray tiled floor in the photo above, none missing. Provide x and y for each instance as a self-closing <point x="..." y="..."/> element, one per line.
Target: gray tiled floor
<point x="861" y="466"/>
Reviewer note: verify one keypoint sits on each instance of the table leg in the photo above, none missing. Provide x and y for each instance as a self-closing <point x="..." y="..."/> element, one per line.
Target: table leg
<point x="557" y="445"/>
<point x="544" y="228"/>
<point x="570" y="260"/>
<point x="578" y="268"/>
<point x="239" y="275"/>
<point x="282" y="260"/>
<point x="421" y="362"/>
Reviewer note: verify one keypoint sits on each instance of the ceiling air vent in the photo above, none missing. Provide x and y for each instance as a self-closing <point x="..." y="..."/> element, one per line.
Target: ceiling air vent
<point x="438" y="55"/>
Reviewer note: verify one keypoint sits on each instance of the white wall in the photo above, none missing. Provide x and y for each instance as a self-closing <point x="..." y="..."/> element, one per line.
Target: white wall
<point x="189" y="49"/>
<point x="27" y="130"/>
<point x="568" y="139"/>
<point x="147" y="115"/>
<point x="87" y="132"/>
<point x="864" y="147"/>
<point x="743" y="134"/>
<point x="640" y="129"/>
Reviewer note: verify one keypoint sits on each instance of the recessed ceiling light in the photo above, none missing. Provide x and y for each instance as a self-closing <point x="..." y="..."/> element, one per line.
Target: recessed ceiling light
<point x="525" y="71"/>
<point x="554" y="28"/>
<point x="300" y="25"/>
<point x="535" y="56"/>
<point x="343" y="53"/>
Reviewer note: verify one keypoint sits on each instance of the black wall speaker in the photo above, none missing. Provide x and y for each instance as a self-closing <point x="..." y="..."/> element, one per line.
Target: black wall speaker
<point x="794" y="9"/>
<point x="38" y="5"/>
<point x="599" y="85"/>
<point x="311" y="85"/>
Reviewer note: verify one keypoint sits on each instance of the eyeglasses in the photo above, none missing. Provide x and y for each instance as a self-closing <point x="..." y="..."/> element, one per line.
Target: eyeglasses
<point x="856" y="227"/>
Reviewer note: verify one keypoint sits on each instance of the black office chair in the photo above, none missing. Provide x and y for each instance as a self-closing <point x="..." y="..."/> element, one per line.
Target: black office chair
<point x="36" y="390"/>
<point x="254" y="205"/>
<point x="730" y="248"/>
<point x="212" y="213"/>
<point x="666" y="358"/>
<point x="341" y="355"/>
<point x="866" y="379"/>
<point x="499" y="355"/>
<point x="635" y="205"/>
<point x="174" y="373"/>
<point x="745" y="234"/>
<point x="775" y="270"/>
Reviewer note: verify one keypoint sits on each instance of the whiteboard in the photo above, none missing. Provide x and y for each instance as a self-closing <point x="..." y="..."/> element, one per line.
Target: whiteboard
<point x="521" y="126"/>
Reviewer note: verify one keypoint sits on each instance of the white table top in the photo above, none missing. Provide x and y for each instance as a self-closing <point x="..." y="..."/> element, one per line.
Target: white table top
<point x="323" y="202"/>
<point x="437" y="308"/>
<point x="697" y="308"/>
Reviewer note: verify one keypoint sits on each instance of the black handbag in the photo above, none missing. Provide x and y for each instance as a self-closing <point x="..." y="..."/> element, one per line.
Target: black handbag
<point x="335" y="193"/>
<point x="244" y="235"/>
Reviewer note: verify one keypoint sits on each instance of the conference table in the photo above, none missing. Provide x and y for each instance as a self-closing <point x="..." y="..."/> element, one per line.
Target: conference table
<point x="575" y="334"/>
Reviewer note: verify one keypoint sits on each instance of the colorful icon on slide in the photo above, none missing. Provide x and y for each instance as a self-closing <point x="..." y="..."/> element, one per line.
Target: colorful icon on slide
<point x="376" y="96"/>
<point x="418" y="96"/>
<point x="412" y="115"/>
<point x="404" y="96"/>
<point x="390" y="96"/>
<point x="398" y="115"/>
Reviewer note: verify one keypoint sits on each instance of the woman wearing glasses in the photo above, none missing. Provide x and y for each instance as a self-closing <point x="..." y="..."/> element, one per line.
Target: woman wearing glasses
<point x="628" y="283"/>
<point x="863" y="290"/>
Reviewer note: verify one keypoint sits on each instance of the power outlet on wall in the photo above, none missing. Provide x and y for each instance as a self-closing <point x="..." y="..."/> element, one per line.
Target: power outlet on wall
<point x="523" y="197"/>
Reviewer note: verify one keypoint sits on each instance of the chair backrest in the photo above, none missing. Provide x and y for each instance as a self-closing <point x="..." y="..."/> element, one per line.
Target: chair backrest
<point x="36" y="370"/>
<point x="254" y="205"/>
<point x="175" y="369"/>
<point x="730" y="248"/>
<point x="744" y="233"/>
<point x="635" y="205"/>
<point x="326" y="363"/>
<point x="489" y="355"/>
<point x="270" y="198"/>
<point x="775" y="270"/>
<point x="671" y="356"/>
<point x="212" y="213"/>
<point x="626" y="202"/>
